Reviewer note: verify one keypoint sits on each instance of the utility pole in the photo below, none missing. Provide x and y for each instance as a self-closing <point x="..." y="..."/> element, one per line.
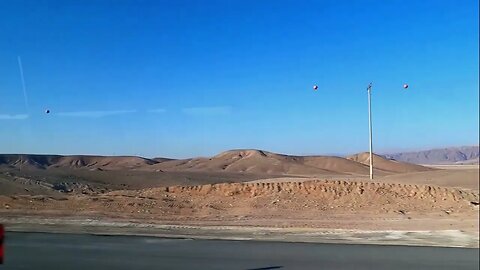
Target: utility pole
<point x="370" y="140"/>
<point x="369" y="90"/>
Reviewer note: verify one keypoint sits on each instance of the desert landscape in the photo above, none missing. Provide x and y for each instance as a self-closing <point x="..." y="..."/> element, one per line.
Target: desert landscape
<point x="243" y="188"/>
<point x="247" y="135"/>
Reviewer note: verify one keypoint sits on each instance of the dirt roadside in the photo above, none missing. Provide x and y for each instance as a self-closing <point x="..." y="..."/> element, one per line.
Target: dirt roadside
<point x="318" y="211"/>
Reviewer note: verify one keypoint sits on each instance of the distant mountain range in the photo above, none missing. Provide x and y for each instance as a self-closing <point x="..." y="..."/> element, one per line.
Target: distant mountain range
<point x="253" y="161"/>
<point x="235" y="161"/>
<point x="450" y="155"/>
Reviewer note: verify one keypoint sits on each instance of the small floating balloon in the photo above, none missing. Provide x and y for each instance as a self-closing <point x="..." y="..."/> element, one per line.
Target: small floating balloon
<point x="47" y="111"/>
<point x="405" y="86"/>
<point x="315" y="87"/>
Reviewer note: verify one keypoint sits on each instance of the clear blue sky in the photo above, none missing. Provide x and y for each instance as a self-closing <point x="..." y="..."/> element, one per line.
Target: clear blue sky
<point x="193" y="78"/>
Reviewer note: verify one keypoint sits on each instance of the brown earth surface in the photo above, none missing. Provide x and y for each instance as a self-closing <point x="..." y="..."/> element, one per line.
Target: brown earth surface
<point x="326" y="204"/>
<point x="49" y="174"/>
<point x="242" y="187"/>
<point x="467" y="178"/>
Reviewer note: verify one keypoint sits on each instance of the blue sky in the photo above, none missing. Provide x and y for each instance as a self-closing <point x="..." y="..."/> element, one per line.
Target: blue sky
<point x="193" y="78"/>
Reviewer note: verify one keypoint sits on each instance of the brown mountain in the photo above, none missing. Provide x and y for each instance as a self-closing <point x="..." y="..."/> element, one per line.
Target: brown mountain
<point x="234" y="161"/>
<point x="245" y="161"/>
<point x="76" y="161"/>
<point x="386" y="165"/>
<point x="450" y="155"/>
<point x="263" y="162"/>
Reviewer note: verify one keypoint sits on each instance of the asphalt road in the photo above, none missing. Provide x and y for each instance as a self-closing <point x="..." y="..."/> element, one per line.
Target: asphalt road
<point x="72" y="251"/>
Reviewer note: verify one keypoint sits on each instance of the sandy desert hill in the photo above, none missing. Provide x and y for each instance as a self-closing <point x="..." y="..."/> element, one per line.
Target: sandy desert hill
<point x="384" y="164"/>
<point x="248" y="161"/>
<point x="263" y="162"/>
<point x="75" y="161"/>
<point x="244" y="161"/>
<point x="41" y="174"/>
<point x="27" y="160"/>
